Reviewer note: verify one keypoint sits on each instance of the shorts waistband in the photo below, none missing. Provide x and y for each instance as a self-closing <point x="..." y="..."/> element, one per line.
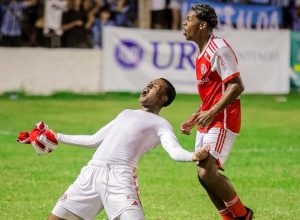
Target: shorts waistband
<point x="103" y="163"/>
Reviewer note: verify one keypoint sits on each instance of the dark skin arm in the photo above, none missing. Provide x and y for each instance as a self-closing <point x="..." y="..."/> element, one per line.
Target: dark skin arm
<point x="204" y="118"/>
<point x="188" y="124"/>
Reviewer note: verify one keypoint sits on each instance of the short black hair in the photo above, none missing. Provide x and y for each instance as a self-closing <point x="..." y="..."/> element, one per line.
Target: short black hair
<point x="171" y="92"/>
<point x="206" y="13"/>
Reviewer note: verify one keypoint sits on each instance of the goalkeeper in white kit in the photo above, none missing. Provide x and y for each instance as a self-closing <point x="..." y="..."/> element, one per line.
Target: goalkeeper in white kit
<point x="109" y="180"/>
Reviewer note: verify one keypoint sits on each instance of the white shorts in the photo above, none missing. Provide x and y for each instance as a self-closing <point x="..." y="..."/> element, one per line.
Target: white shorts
<point x="220" y="141"/>
<point x="102" y="186"/>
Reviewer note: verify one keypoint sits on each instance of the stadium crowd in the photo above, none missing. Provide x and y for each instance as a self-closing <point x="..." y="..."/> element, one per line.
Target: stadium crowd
<point x="79" y="23"/>
<point x="62" y="23"/>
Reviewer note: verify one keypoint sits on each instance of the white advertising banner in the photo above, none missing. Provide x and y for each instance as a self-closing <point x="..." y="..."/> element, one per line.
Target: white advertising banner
<point x="133" y="57"/>
<point x="42" y="71"/>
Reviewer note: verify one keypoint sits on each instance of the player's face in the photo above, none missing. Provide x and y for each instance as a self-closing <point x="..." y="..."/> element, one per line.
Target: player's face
<point x="190" y="26"/>
<point x="153" y="93"/>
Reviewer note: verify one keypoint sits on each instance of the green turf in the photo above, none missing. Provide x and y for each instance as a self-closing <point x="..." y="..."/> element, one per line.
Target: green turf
<point x="264" y="165"/>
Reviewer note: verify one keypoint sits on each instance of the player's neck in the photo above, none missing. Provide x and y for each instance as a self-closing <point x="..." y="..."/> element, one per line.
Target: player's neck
<point x="151" y="109"/>
<point x="203" y="41"/>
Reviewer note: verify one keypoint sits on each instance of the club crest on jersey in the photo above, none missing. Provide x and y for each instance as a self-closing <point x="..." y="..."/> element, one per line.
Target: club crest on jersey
<point x="203" y="69"/>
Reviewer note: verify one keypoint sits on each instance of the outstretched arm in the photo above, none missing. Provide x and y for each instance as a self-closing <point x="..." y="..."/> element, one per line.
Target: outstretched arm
<point x="171" y="145"/>
<point x="188" y="124"/>
<point x="89" y="141"/>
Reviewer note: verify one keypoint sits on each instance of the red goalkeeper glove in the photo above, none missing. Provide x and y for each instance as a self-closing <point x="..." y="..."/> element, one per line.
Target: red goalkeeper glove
<point x="40" y="137"/>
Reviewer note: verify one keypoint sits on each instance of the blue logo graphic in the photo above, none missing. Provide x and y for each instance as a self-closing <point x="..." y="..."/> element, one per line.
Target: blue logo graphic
<point x="129" y="54"/>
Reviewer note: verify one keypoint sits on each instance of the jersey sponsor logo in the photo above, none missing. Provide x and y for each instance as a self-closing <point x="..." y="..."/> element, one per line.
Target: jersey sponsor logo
<point x="203" y="69"/>
<point x="222" y="62"/>
<point x="135" y="203"/>
<point x="202" y="81"/>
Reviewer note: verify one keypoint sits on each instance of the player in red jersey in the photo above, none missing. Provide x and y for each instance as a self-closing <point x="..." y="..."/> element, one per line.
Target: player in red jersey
<point x="219" y="117"/>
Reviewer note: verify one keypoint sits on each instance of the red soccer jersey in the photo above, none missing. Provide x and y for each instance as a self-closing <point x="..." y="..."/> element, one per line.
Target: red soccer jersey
<point x="215" y="66"/>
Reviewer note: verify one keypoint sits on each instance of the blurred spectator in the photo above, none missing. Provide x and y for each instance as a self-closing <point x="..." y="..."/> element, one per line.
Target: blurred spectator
<point x="52" y="25"/>
<point x="75" y="31"/>
<point x="28" y="19"/>
<point x="87" y="5"/>
<point x="123" y="11"/>
<point x="39" y="27"/>
<point x="103" y="18"/>
<point x="239" y="1"/>
<point x="285" y="5"/>
<point x="296" y="15"/>
<point x="11" y="26"/>
<point x="158" y="14"/>
<point x="282" y="3"/>
<point x="48" y="22"/>
<point x="175" y="7"/>
<point x="259" y="2"/>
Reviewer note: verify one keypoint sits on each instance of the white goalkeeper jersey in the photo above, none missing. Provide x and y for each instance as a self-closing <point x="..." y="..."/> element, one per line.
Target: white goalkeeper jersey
<point x="130" y="135"/>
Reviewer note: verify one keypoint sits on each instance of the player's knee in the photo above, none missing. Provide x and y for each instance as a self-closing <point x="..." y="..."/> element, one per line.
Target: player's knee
<point x="63" y="213"/>
<point x="205" y="176"/>
<point x="201" y="181"/>
<point x="202" y="175"/>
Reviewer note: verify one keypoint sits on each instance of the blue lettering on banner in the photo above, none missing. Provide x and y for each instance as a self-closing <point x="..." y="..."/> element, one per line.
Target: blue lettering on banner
<point x="155" y="55"/>
<point x="176" y="55"/>
<point x="187" y="52"/>
<point x="129" y="53"/>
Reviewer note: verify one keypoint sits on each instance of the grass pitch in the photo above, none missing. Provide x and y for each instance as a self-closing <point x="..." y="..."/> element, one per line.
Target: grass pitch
<point x="264" y="165"/>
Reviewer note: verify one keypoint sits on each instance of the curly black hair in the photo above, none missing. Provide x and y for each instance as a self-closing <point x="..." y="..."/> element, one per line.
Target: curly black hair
<point x="206" y="13"/>
<point x="171" y="92"/>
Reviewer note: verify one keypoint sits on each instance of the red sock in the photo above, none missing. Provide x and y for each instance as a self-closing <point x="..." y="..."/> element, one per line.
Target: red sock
<point x="226" y="214"/>
<point x="236" y="207"/>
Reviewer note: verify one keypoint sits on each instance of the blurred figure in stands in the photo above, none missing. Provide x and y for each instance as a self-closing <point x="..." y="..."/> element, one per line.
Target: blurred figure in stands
<point x="103" y="18"/>
<point x="87" y="5"/>
<point x="158" y="14"/>
<point x="238" y="1"/>
<point x="75" y="31"/>
<point x="285" y="5"/>
<point x="11" y="26"/>
<point x="295" y="11"/>
<point x="29" y="17"/>
<point x="52" y="22"/>
<point x="38" y="27"/>
<point x="259" y="2"/>
<point x="175" y="7"/>
<point x="123" y="11"/>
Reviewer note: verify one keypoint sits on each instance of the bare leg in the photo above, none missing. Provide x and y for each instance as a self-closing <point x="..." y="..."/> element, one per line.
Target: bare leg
<point x="219" y="189"/>
<point x="218" y="202"/>
<point x="54" y="217"/>
<point x="218" y="186"/>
